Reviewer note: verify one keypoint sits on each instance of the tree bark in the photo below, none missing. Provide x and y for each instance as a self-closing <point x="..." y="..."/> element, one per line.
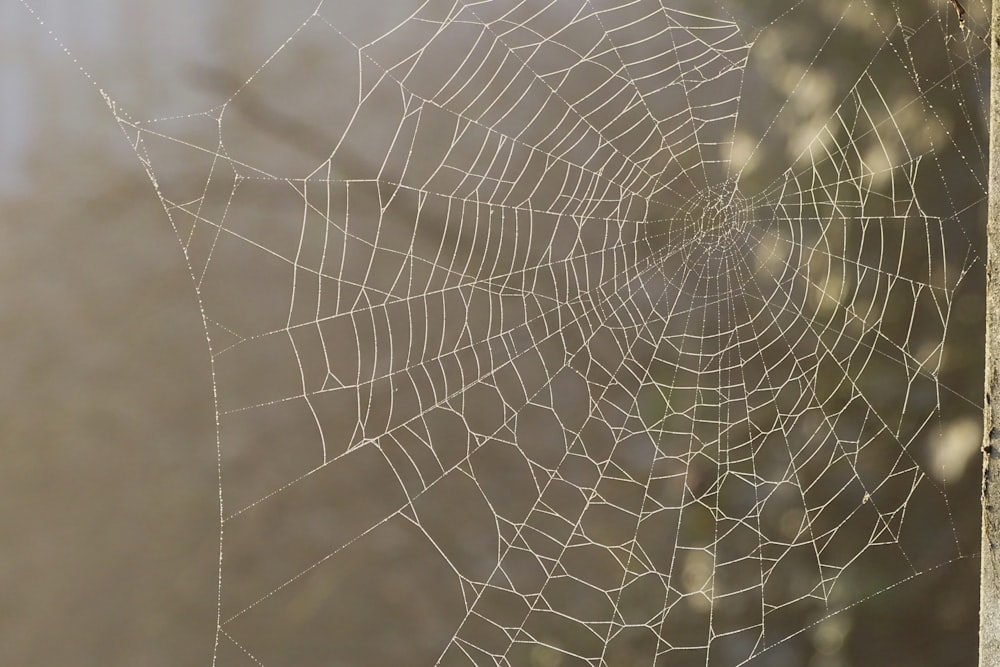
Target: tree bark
<point x="989" y="587"/>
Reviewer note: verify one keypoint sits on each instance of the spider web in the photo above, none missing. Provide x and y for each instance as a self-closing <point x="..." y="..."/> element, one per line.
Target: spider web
<point x="543" y="353"/>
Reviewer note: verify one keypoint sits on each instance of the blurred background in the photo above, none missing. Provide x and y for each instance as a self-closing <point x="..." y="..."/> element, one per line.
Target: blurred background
<point x="671" y="359"/>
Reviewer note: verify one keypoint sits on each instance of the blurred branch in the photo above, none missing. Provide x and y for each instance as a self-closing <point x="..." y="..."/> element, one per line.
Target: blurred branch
<point x="270" y="119"/>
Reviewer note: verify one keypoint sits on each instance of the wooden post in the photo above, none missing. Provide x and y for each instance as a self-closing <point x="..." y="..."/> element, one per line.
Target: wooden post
<point x="989" y="585"/>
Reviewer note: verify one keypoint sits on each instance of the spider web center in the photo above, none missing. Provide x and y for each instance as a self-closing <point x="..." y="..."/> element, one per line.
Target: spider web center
<point x="716" y="217"/>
